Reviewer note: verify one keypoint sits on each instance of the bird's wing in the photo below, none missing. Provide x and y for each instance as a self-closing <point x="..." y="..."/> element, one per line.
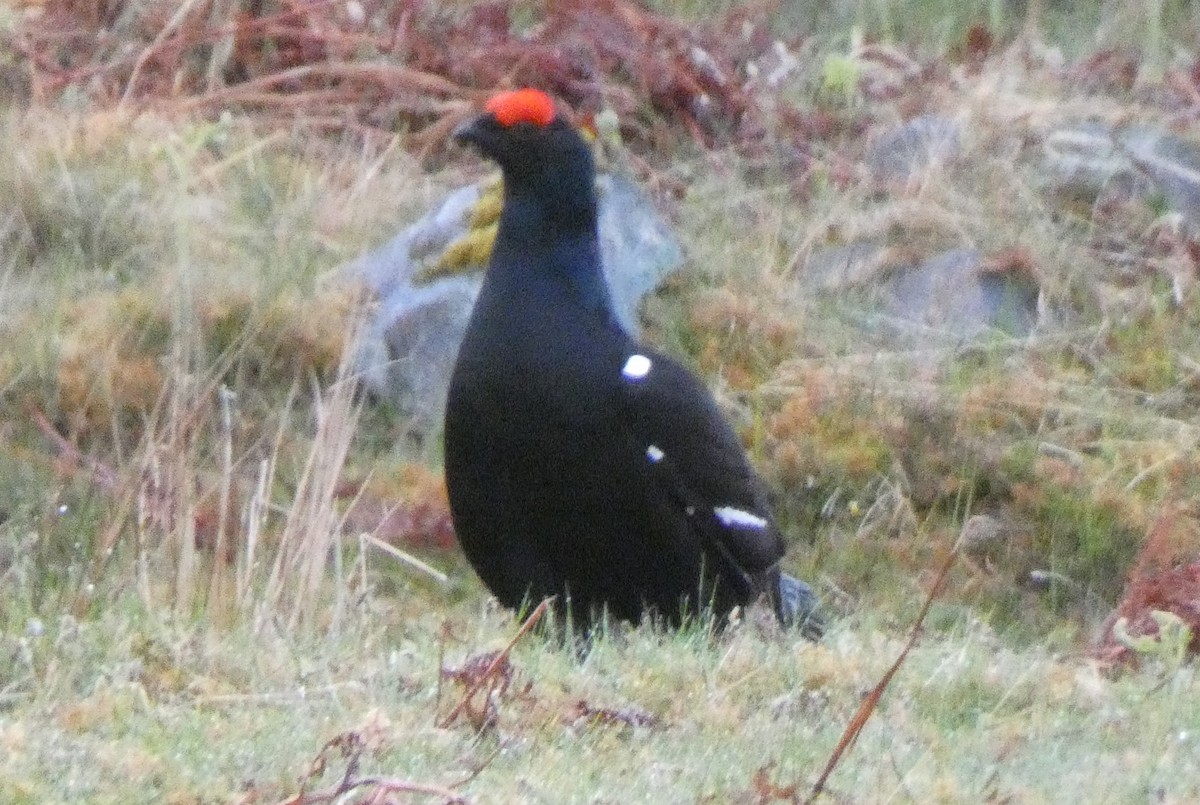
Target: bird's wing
<point x="693" y="452"/>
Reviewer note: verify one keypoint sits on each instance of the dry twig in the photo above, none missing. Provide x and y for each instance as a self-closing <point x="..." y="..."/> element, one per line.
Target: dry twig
<point x="867" y="708"/>
<point x="495" y="676"/>
<point x="351" y="746"/>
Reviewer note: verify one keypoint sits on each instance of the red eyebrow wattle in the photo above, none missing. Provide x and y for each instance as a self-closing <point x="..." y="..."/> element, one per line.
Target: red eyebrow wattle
<point x="522" y="106"/>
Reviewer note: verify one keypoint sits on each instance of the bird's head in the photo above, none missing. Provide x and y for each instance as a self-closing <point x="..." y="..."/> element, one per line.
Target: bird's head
<point x="535" y="146"/>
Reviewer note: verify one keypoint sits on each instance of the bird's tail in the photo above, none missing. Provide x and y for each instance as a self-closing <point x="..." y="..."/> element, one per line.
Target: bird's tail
<point x="797" y="607"/>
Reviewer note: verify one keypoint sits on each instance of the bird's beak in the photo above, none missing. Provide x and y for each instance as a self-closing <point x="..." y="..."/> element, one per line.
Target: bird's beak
<point x="472" y="131"/>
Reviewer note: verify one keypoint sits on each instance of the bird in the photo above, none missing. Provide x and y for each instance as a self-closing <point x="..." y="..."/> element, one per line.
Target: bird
<point x="579" y="463"/>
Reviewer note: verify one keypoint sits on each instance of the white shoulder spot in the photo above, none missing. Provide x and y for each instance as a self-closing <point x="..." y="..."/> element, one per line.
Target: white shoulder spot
<point x="637" y="367"/>
<point x="731" y="517"/>
<point x="655" y="454"/>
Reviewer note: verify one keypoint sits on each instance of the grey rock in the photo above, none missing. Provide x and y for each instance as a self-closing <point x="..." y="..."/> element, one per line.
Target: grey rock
<point x="410" y="346"/>
<point x="394" y="265"/>
<point x="914" y="146"/>
<point x="852" y="265"/>
<point x="1093" y="159"/>
<point x="637" y="246"/>
<point x="409" y="350"/>
<point x="951" y="293"/>
<point x="1173" y="165"/>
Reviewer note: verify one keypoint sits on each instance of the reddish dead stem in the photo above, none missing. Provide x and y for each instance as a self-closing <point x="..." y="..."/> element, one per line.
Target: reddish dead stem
<point x="489" y="674"/>
<point x="585" y="713"/>
<point x="351" y="747"/>
<point x="867" y="708"/>
<point x="410" y="65"/>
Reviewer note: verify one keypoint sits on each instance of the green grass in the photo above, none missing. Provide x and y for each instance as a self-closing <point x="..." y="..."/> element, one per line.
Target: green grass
<point x="938" y="26"/>
<point x="126" y="708"/>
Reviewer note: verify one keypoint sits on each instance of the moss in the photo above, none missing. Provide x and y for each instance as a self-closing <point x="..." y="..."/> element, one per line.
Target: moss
<point x="1143" y="355"/>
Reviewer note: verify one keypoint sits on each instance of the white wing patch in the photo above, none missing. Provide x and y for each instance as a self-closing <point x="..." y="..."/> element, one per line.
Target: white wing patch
<point x="737" y="518"/>
<point x="637" y="367"/>
<point x="655" y="454"/>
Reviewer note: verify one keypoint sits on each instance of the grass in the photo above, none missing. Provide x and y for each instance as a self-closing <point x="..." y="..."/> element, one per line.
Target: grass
<point x="129" y="709"/>
<point x="188" y="612"/>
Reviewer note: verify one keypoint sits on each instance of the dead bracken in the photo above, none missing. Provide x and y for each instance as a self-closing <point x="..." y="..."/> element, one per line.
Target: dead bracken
<point x="409" y="65"/>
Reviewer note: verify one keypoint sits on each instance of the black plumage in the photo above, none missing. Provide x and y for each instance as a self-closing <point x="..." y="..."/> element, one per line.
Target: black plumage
<point x="579" y="463"/>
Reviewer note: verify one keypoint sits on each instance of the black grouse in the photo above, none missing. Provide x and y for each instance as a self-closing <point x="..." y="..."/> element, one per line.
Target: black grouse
<point x="579" y="463"/>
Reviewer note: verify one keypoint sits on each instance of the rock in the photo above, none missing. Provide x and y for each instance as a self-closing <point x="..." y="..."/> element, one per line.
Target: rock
<point x="395" y="264"/>
<point x="638" y="248"/>
<point x="954" y="294"/>
<point x="410" y="346"/>
<point x="914" y="146"/>
<point x="1092" y="159"/>
<point x="856" y="264"/>
<point x="409" y="350"/>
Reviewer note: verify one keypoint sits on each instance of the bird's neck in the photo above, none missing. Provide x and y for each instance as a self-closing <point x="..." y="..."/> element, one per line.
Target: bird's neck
<point x="554" y="240"/>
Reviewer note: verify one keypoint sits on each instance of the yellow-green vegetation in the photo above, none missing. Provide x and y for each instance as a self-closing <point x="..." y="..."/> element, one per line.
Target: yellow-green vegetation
<point x="195" y="599"/>
<point x="123" y="707"/>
